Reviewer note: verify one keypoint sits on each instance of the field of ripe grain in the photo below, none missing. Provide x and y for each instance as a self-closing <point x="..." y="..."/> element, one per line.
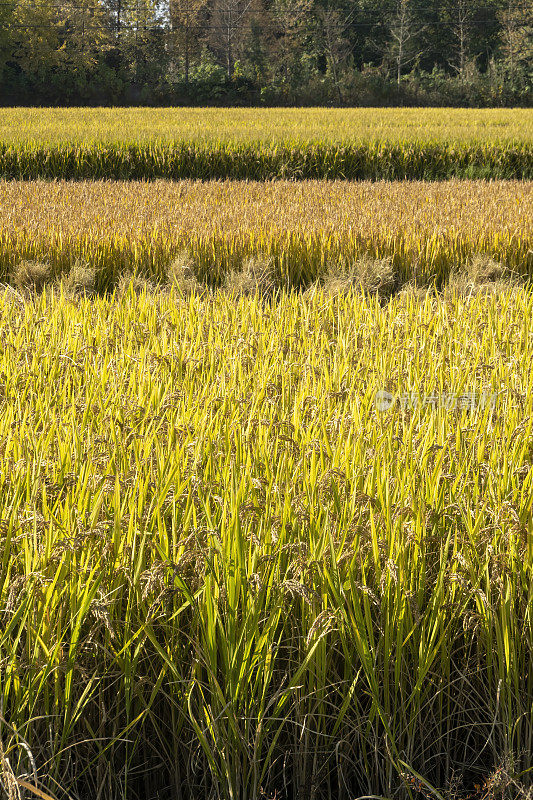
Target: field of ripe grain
<point x="225" y="573"/>
<point x="303" y="229"/>
<point x="270" y="126"/>
<point x="260" y="144"/>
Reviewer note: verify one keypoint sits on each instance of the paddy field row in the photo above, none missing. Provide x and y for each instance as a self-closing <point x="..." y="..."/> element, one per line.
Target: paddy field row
<point x="227" y="571"/>
<point x="261" y="144"/>
<point x="269" y="126"/>
<point x="300" y="230"/>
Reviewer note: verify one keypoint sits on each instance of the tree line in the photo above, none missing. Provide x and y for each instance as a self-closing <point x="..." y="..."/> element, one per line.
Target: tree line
<point x="271" y="52"/>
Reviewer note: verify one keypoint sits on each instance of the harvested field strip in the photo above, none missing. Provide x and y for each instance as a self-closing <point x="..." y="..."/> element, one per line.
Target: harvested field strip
<point x="304" y="228"/>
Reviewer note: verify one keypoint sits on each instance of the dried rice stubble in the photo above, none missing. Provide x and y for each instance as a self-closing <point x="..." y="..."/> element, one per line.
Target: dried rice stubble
<point x="32" y="276"/>
<point x="257" y="276"/>
<point x="180" y="275"/>
<point x="81" y="280"/>
<point x="369" y="274"/>
<point x="482" y="275"/>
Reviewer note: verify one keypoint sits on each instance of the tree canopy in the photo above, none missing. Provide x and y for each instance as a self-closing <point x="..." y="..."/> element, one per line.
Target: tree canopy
<point x="310" y="52"/>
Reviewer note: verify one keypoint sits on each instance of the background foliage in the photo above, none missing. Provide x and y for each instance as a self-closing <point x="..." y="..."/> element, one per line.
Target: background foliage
<point x="246" y="52"/>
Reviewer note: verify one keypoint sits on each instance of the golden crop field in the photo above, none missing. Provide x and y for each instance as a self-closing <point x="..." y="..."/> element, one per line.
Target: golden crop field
<point x="266" y="460"/>
<point x="270" y="126"/>
<point x="304" y="228"/>
<point x="260" y="144"/>
<point x="224" y="568"/>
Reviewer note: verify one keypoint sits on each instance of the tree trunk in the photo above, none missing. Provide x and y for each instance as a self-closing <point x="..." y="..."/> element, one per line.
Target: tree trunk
<point x="229" y="54"/>
<point x="186" y="65"/>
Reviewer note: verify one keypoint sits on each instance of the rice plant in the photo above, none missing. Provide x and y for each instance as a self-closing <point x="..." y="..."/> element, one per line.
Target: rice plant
<point x="261" y="144"/>
<point x="303" y="230"/>
<point x="226" y="571"/>
<point x="270" y="126"/>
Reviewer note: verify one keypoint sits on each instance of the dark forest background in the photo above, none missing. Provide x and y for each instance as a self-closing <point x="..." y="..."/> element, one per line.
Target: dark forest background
<point x="267" y="52"/>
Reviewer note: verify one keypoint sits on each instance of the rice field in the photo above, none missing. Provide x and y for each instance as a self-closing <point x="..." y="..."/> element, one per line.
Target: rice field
<point x="301" y="229"/>
<point x="266" y="454"/>
<point x="227" y="572"/>
<point x="270" y="126"/>
<point x="261" y="144"/>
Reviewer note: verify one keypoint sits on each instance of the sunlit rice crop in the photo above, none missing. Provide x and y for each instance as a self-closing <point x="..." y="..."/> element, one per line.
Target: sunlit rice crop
<point x="225" y="573"/>
<point x="271" y="126"/>
<point x="260" y="144"/>
<point x="304" y="228"/>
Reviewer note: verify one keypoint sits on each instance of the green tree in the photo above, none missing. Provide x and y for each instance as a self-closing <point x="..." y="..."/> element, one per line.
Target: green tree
<point x="404" y="32"/>
<point x="37" y="44"/>
<point x="186" y="18"/>
<point x="230" y="26"/>
<point x="516" y="35"/>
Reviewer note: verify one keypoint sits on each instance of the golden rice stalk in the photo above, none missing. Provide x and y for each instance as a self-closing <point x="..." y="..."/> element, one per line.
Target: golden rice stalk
<point x="302" y="230"/>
